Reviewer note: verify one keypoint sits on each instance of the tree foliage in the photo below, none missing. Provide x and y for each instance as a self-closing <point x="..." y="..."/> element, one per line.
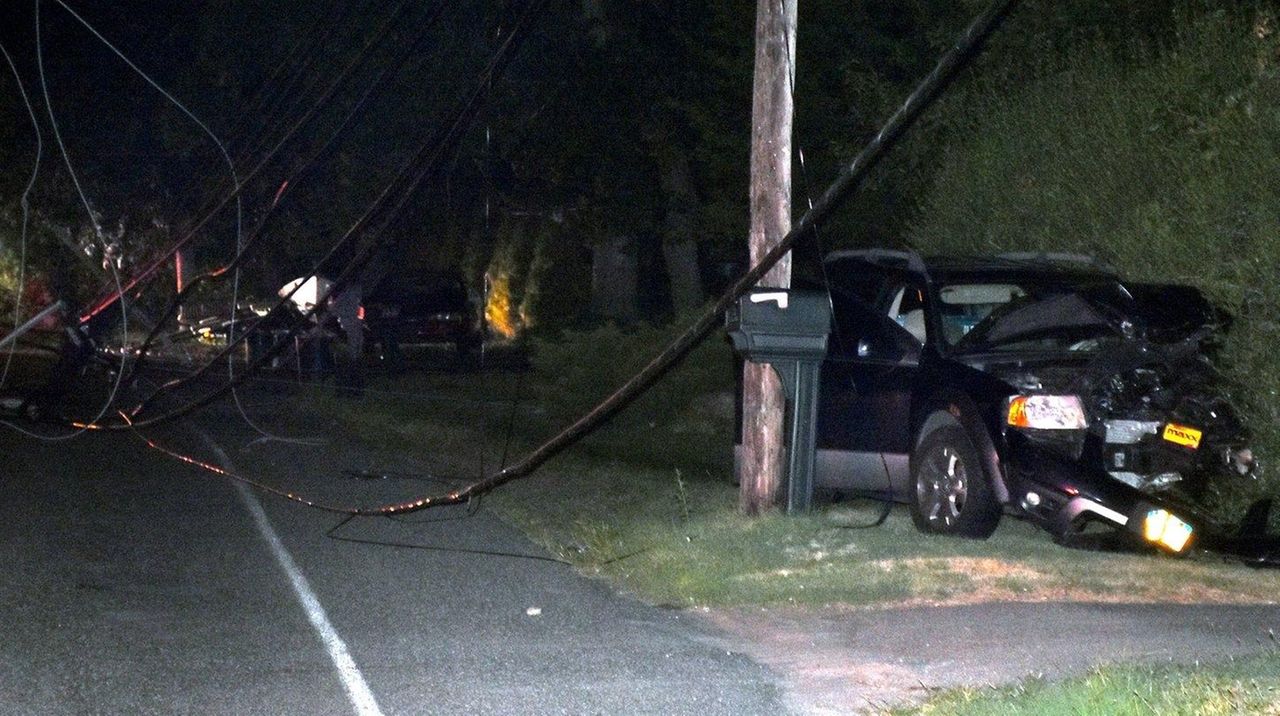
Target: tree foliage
<point x="617" y="119"/>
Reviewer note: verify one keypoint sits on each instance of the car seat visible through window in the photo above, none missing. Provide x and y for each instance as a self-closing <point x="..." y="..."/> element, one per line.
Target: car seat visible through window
<point x="913" y="321"/>
<point x="907" y="310"/>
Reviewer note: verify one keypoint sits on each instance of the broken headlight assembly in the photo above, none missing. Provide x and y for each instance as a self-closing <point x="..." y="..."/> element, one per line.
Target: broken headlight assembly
<point x="1055" y="422"/>
<point x="1047" y="412"/>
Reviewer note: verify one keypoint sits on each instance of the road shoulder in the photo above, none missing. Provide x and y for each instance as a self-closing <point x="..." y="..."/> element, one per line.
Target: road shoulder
<point x="836" y="661"/>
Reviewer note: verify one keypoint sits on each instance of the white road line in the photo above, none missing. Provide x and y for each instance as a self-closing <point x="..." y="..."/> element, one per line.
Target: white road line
<point x="353" y="682"/>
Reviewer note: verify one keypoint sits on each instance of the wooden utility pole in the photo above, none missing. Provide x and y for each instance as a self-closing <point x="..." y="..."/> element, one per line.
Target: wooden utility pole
<point x="763" y="403"/>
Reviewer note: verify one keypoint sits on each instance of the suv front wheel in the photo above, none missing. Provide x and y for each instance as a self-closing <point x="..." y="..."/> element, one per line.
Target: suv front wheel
<point x="952" y="493"/>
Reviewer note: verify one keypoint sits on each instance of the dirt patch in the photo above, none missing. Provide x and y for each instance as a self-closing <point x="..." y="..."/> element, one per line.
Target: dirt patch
<point x="819" y="674"/>
<point x="973" y="567"/>
<point x="995" y="580"/>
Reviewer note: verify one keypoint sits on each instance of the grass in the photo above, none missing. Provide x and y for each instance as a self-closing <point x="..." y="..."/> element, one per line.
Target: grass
<point x="647" y="504"/>
<point x="628" y="524"/>
<point x="1241" y="686"/>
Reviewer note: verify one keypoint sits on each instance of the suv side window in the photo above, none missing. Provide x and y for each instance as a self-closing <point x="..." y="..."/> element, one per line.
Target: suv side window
<point x="863" y="329"/>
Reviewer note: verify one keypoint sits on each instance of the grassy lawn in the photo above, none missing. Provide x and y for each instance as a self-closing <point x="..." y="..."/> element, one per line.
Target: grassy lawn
<point x="1243" y="686"/>
<point x="685" y="544"/>
<point x="647" y="503"/>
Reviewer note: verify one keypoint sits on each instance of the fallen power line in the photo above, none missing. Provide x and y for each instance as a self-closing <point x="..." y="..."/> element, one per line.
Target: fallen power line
<point x="967" y="46"/>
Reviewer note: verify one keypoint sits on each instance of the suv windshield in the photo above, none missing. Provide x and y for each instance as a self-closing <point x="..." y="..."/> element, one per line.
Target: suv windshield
<point x="1006" y="316"/>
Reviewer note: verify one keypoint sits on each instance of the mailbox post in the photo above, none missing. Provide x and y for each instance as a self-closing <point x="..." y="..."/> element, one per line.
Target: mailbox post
<point x="788" y="330"/>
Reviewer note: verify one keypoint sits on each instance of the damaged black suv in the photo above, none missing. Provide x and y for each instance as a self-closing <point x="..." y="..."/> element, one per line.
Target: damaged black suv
<point x="1043" y="385"/>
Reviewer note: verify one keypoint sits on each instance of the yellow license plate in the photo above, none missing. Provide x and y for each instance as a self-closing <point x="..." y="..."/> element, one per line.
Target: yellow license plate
<point x="1182" y="435"/>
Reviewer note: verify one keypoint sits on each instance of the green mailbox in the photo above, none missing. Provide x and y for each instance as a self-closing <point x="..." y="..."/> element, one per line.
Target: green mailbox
<point x="788" y="329"/>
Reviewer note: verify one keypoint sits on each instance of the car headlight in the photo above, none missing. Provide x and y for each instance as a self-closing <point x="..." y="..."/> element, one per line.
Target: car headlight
<point x="1047" y="412"/>
<point x="1162" y="528"/>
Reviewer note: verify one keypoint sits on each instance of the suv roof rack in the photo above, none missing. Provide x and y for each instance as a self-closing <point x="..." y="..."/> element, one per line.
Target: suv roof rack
<point x="912" y="261"/>
<point x="892" y="258"/>
<point x="1056" y="257"/>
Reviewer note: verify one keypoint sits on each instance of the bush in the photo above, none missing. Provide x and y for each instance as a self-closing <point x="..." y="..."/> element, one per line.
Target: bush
<point x="31" y="289"/>
<point x="1158" y="160"/>
<point x="595" y="362"/>
<point x="8" y="285"/>
<point x="678" y="418"/>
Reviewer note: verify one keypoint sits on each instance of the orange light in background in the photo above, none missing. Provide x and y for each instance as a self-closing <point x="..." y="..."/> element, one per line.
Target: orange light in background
<point x="498" y="310"/>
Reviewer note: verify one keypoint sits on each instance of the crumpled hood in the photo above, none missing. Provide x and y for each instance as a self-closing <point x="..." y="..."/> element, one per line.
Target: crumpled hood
<point x="1175" y="381"/>
<point x="1039" y="373"/>
<point x="1132" y="380"/>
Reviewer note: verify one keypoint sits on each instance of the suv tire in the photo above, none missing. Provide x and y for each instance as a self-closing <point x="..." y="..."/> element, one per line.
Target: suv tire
<point x="951" y="492"/>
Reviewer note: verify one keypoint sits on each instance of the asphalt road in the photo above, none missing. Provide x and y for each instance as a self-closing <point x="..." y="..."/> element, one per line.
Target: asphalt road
<point x="136" y="584"/>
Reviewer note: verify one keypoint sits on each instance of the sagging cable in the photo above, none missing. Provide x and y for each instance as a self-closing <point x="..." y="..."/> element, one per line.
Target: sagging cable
<point x="384" y="510"/>
<point x="333" y="534"/>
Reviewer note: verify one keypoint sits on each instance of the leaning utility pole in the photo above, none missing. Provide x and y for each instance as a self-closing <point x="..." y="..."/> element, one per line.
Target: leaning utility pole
<point x="763" y="403"/>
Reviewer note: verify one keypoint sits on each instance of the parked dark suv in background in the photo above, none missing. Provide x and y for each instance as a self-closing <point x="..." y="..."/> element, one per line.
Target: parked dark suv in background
<point x="423" y="309"/>
<point x="1041" y="384"/>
